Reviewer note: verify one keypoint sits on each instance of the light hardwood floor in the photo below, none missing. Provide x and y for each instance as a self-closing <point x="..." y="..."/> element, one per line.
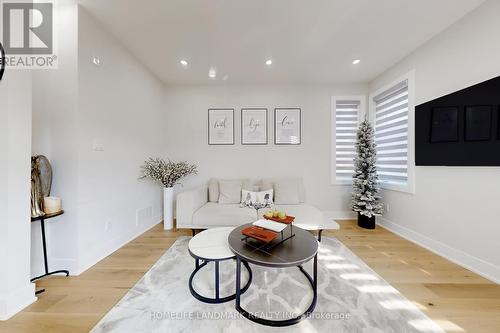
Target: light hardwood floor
<point x="457" y="299"/>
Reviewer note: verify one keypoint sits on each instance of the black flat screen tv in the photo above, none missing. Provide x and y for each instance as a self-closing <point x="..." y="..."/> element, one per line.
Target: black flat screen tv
<point x="460" y="129"/>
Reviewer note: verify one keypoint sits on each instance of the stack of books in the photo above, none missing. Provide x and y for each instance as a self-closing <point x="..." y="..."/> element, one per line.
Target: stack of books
<point x="264" y="230"/>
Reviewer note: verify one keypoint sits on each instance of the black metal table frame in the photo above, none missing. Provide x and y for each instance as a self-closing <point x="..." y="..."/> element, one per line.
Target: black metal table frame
<point x="44" y="245"/>
<point x="320" y="231"/>
<point x="278" y="323"/>
<point x="217" y="299"/>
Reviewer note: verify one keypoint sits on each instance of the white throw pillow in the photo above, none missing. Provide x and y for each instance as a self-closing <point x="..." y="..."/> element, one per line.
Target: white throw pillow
<point x="230" y="191"/>
<point x="286" y="192"/>
<point x="258" y="200"/>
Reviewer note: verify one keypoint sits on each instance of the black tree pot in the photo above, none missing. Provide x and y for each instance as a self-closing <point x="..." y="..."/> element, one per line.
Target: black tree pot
<point x="366" y="222"/>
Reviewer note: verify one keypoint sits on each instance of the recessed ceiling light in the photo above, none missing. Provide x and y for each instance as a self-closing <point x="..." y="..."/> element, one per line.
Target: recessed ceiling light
<point x="225" y="77"/>
<point x="184" y="63"/>
<point x="269" y="62"/>
<point x="212" y="73"/>
<point x="355" y="62"/>
<point x="96" y="61"/>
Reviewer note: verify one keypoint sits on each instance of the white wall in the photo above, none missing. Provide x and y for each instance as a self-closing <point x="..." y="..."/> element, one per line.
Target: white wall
<point x="16" y="291"/>
<point x="116" y="105"/>
<point x="55" y="103"/>
<point x="186" y="109"/>
<point x="120" y="108"/>
<point x="453" y="211"/>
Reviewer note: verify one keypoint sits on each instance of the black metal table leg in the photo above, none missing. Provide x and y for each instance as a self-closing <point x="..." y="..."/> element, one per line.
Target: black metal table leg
<point x="39" y="291"/>
<point x="217" y="280"/>
<point x="45" y="261"/>
<point x="44" y="245"/>
<point x="315" y="272"/>
<point x="238" y="281"/>
<point x="320" y="231"/>
<point x="217" y="298"/>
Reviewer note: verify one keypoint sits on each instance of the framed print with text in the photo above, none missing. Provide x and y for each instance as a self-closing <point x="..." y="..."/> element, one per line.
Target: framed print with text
<point x="254" y="126"/>
<point x="287" y="126"/>
<point x="221" y="126"/>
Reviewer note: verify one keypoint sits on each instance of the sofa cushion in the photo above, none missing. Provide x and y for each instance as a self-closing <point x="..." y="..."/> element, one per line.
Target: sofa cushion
<point x="230" y="191"/>
<point x="268" y="183"/>
<point x="213" y="187"/>
<point x="305" y="215"/>
<point x="286" y="192"/>
<point x="213" y="215"/>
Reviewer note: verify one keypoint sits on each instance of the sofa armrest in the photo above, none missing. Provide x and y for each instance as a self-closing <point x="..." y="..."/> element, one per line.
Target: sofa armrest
<point x="187" y="203"/>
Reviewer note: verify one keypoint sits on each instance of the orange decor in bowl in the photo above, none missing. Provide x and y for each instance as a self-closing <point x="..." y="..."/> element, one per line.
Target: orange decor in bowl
<point x="287" y="220"/>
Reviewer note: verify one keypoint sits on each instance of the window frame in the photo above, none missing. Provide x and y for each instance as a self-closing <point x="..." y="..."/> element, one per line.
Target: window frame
<point x="333" y="144"/>
<point x="409" y="187"/>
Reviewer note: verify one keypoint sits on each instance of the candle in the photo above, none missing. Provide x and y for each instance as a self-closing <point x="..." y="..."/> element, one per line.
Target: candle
<point x="52" y="205"/>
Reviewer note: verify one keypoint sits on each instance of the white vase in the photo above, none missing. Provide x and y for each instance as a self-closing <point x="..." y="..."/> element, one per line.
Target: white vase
<point x="168" y="208"/>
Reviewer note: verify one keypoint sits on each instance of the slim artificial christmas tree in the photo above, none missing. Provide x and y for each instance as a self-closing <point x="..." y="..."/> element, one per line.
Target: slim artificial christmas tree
<point x="365" y="199"/>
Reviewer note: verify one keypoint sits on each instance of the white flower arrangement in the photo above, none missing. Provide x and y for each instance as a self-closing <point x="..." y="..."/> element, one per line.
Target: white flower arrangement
<point x="167" y="173"/>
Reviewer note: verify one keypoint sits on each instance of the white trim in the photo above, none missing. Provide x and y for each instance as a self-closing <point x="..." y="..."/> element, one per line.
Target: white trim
<point x="361" y="114"/>
<point x="410" y="77"/>
<point x="474" y="264"/>
<point x="56" y="264"/>
<point x="17" y="300"/>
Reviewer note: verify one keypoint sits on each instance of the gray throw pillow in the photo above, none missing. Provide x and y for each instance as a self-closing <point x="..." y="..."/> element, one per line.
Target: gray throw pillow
<point x="268" y="183"/>
<point x="230" y="191"/>
<point x="213" y="190"/>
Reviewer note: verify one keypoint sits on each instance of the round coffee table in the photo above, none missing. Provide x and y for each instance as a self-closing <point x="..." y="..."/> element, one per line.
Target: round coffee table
<point x="212" y="246"/>
<point x="299" y="249"/>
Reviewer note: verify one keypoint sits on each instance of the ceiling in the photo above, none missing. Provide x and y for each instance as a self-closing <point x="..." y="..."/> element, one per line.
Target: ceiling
<point x="310" y="42"/>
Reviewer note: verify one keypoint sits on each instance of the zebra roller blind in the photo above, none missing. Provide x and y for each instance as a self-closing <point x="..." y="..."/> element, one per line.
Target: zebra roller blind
<point x="346" y="123"/>
<point x="391" y="134"/>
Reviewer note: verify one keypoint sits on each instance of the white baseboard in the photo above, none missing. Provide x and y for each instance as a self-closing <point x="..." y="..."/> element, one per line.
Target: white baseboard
<point x="112" y="246"/>
<point x="76" y="268"/>
<point x="474" y="264"/>
<point x="68" y="264"/>
<point x="17" y="300"/>
<point x="339" y="215"/>
<point x="56" y="264"/>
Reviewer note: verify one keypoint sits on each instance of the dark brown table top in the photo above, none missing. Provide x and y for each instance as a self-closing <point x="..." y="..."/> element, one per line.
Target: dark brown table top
<point x="292" y="252"/>
<point x="47" y="216"/>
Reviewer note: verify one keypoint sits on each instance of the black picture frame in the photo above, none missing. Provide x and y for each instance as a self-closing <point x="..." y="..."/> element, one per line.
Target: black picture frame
<point x="444" y="124"/>
<point x="478" y="121"/>
<point x="209" y="127"/>
<point x="2" y="61"/>
<point x="299" y="110"/>
<point x="242" y="126"/>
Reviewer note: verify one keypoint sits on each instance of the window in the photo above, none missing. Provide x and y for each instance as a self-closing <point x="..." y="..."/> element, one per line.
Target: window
<point x="345" y="115"/>
<point x="393" y="118"/>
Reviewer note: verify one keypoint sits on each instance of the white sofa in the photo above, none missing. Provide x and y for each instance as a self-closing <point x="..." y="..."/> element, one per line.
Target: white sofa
<point x="199" y="208"/>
